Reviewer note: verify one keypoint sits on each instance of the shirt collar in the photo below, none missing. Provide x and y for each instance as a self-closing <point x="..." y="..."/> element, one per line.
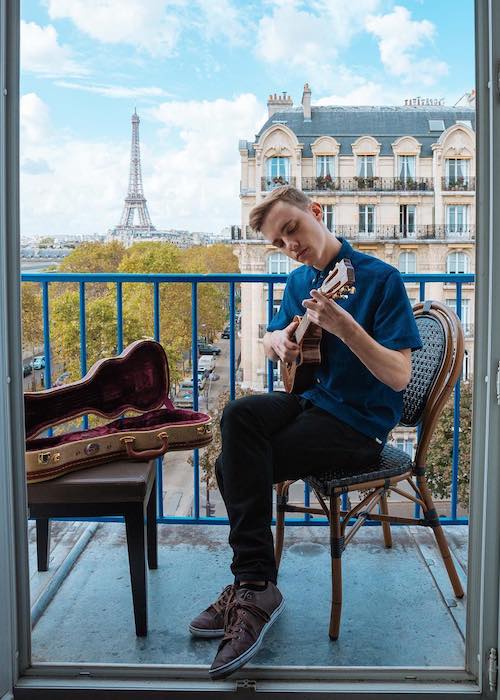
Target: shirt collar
<point x="345" y="251"/>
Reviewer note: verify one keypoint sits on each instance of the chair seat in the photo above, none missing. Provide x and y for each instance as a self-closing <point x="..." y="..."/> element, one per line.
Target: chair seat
<point x="391" y="462"/>
<point x="116" y="482"/>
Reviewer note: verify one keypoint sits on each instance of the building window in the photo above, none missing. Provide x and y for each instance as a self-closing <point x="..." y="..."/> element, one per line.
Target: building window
<point x="407" y="217"/>
<point x="278" y="264"/>
<point x="367" y="218"/>
<point x="366" y="166"/>
<point x="457" y="263"/>
<point x="278" y="171"/>
<point x="457" y="219"/>
<point x="457" y="171"/>
<point x="325" y="165"/>
<point x="464" y="313"/>
<point x="329" y="217"/>
<point x="407" y="445"/>
<point x="407" y="168"/>
<point x="407" y="262"/>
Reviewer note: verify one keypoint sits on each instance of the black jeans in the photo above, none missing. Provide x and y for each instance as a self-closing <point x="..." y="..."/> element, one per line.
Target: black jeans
<point x="268" y="438"/>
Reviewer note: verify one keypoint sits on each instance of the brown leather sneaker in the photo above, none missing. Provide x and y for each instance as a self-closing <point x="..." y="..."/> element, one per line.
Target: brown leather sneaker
<point x="210" y="622"/>
<point x="248" y="617"/>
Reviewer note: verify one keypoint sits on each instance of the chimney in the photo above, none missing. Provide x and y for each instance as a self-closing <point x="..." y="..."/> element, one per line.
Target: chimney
<point x="278" y="103"/>
<point x="306" y="102"/>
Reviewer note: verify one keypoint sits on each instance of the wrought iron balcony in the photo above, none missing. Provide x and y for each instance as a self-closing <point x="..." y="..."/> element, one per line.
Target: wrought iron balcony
<point x="458" y="184"/>
<point x="384" y="232"/>
<point x="327" y="183"/>
<point x="271" y="183"/>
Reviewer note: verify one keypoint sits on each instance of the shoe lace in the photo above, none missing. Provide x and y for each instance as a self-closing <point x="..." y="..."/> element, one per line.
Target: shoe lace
<point x="225" y="597"/>
<point x="235" y="617"/>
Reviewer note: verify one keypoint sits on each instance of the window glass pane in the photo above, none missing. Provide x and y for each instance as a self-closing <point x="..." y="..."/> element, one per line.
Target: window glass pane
<point x="406" y="167"/>
<point x="366" y="166"/>
<point x="329" y="217"/>
<point x="325" y="165"/>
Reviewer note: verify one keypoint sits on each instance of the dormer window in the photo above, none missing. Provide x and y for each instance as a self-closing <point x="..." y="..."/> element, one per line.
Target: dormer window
<point x="325" y="165"/>
<point x="407" y="168"/>
<point x="366" y="166"/>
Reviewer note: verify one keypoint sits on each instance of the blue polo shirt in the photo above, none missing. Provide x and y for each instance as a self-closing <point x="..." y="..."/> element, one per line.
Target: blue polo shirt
<point x="343" y="385"/>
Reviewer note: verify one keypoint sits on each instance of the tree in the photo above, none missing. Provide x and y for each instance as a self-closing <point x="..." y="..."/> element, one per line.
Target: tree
<point x="31" y="319"/>
<point x="94" y="257"/>
<point x="440" y="455"/>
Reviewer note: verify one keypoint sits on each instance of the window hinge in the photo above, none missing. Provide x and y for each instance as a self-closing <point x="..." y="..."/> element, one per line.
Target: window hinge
<point x="246" y="685"/>
<point x="498" y="383"/>
<point x="492" y="668"/>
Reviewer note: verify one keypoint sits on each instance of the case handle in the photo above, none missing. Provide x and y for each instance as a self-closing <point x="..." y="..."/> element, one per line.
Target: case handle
<point x="129" y="440"/>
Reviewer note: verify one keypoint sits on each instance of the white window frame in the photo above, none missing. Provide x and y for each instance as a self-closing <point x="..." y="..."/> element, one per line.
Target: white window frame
<point x="407" y="262"/>
<point x="455" y="260"/>
<point x="325" y="165"/>
<point x="457" y="219"/>
<point x="365" y="164"/>
<point x="458" y="163"/>
<point x="364" y="213"/>
<point x="278" y="264"/>
<point x="95" y="680"/>
<point x="408" y="228"/>
<point x="407" y="167"/>
<point x="329" y="217"/>
<point x="282" y="170"/>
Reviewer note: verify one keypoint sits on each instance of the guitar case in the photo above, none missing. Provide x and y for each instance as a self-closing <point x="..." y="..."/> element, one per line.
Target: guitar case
<point x="136" y="381"/>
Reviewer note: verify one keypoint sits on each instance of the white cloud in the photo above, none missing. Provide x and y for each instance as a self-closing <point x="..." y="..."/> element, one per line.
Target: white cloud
<point x="191" y="168"/>
<point x="116" y="91"/>
<point x="34" y="119"/>
<point x="311" y="39"/>
<point x="399" y="37"/>
<point x="152" y="26"/>
<point x="222" y="19"/>
<point x="42" y="53"/>
<point x="196" y="185"/>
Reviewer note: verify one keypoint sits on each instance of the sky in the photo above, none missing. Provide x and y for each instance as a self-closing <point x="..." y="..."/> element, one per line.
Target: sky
<point x="199" y="73"/>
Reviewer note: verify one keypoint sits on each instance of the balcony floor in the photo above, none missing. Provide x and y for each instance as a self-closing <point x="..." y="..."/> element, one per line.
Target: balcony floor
<point x="399" y="608"/>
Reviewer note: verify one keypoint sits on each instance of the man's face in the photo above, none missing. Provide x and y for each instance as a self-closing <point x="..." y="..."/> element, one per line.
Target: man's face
<point x="298" y="233"/>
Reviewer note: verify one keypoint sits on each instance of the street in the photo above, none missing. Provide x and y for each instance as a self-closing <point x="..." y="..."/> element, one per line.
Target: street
<point x="178" y="485"/>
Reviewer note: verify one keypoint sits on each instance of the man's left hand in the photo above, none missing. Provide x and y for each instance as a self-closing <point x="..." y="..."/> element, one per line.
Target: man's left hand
<point x="329" y="315"/>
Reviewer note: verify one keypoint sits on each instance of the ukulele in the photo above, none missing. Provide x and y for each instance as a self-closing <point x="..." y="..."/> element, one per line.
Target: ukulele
<point x="298" y="375"/>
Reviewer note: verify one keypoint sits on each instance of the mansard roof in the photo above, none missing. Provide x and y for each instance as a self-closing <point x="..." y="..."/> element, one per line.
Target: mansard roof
<point x="386" y="124"/>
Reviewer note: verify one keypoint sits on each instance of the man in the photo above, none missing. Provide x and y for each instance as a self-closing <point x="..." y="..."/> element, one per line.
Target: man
<point x="344" y="418"/>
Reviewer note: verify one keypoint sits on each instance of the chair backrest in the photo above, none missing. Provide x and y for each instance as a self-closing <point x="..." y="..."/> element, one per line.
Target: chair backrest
<point x="436" y="368"/>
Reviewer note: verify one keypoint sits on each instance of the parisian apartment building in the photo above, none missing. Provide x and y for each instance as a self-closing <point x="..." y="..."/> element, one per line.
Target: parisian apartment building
<point x="396" y="182"/>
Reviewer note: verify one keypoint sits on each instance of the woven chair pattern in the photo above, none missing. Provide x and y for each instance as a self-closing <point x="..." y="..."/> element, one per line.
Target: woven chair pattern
<point x="393" y="461"/>
<point x="425" y="365"/>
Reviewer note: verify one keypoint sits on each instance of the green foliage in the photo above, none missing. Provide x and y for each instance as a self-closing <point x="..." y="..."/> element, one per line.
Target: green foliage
<point x="32" y="320"/>
<point x="94" y="257"/>
<point x="440" y="454"/>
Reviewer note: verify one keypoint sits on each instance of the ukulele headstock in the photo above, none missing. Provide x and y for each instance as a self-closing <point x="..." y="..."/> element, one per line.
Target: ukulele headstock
<point x="339" y="282"/>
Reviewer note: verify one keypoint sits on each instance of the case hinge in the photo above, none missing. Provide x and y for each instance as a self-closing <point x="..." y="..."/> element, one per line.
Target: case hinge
<point x="492" y="669"/>
<point x="246" y="686"/>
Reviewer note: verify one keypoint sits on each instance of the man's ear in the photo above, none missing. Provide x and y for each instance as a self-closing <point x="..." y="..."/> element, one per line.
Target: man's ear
<point x="317" y="210"/>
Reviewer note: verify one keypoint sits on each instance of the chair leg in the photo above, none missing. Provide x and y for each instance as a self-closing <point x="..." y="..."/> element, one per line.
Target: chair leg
<point x="386" y="527"/>
<point x="134" y="524"/>
<point x="152" y="530"/>
<point x="432" y="517"/>
<point x="42" y="543"/>
<point x="336" y="549"/>
<point x="281" y="499"/>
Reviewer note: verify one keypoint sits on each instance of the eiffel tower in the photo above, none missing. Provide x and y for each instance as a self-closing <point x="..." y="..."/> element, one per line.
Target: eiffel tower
<point x="135" y="200"/>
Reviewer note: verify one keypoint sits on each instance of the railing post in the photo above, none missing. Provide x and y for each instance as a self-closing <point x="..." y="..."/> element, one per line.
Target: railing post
<point x="194" y="363"/>
<point x="83" y="343"/>
<point x="119" y="318"/>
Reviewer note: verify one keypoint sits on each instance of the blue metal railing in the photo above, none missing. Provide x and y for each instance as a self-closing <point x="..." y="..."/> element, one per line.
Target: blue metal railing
<point x="44" y="279"/>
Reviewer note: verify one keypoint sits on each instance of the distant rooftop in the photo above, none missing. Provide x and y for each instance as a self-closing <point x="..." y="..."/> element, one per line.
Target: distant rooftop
<point x="385" y="123"/>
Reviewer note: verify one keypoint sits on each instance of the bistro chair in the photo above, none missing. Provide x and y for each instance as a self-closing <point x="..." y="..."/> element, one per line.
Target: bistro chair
<point x="436" y="368"/>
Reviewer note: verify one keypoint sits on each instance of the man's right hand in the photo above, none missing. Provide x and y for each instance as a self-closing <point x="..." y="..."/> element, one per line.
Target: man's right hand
<point x="283" y="343"/>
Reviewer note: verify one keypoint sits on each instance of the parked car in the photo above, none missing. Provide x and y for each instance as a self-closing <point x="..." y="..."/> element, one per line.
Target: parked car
<point x="27" y="370"/>
<point x="225" y="333"/>
<point x="208" y="349"/>
<point x="62" y="379"/>
<point x="184" y="398"/>
<point x="38" y="362"/>
<point x="206" y="362"/>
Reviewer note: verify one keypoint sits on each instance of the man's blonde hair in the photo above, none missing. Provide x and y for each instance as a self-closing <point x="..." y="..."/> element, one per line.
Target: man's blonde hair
<point x="288" y="194"/>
